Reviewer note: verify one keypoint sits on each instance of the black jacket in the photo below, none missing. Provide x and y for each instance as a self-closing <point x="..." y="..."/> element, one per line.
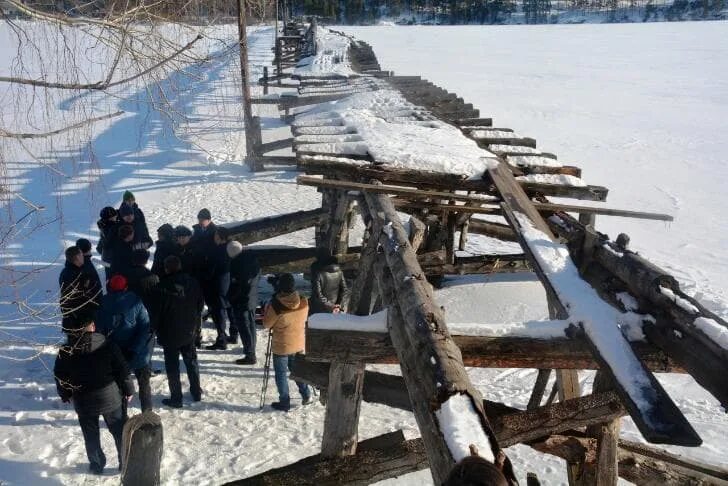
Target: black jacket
<point x="328" y="289"/>
<point x="108" y="232"/>
<point x="144" y="283"/>
<point x="203" y="240"/>
<point x="180" y="310"/>
<point x="192" y="260"/>
<point x="90" y="269"/>
<point x="142" y="240"/>
<point x="121" y="256"/>
<point x="244" y="277"/>
<point x="81" y="292"/>
<point x="138" y="214"/>
<point x="91" y="371"/>
<point x="162" y="251"/>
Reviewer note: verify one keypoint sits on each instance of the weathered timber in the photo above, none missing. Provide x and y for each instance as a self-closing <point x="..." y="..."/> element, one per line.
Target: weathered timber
<point x="278" y="160"/>
<point x="494" y="230"/>
<point x="276" y="145"/>
<point x="587" y="193"/>
<point x="417" y="232"/>
<point x="338" y="241"/>
<point x="689" y="347"/>
<point x="477" y="351"/>
<point x="474" y="122"/>
<point x="511" y="425"/>
<point x="539" y="388"/>
<point x="361" y="299"/>
<point x="340" y="435"/>
<point x="247" y="232"/>
<point x="377" y="459"/>
<point x="482" y="264"/>
<point x="296" y="260"/>
<point x="623" y="213"/>
<point x="654" y="413"/>
<point x="484" y="141"/>
<point x="603" y="472"/>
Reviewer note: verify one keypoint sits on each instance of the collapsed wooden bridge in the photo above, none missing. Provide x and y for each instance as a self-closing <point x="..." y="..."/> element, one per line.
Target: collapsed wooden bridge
<point x="594" y="287"/>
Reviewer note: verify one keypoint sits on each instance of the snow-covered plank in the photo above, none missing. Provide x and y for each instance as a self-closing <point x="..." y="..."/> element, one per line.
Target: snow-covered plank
<point x="653" y="411"/>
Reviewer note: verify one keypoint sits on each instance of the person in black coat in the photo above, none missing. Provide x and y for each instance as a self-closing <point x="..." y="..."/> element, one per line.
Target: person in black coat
<point x="243" y="296"/>
<point x="91" y="372"/>
<point x="88" y="265"/>
<point x="142" y="240"/>
<point x="108" y="224"/>
<point x="165" y="246"/>
<point x="203" y="233"/>
<point x="180" y="312"/>
<point x="81" y="292"/>
<point x="329" y="292"/>
<point x="215" y="286"/>
<point x="142" y="281"/>
<point x="122" y="250"/>
<point x="129" y="199"/>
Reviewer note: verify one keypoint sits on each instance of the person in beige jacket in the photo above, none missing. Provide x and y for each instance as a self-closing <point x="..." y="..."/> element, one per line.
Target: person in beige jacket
<point x="285" y="315"/>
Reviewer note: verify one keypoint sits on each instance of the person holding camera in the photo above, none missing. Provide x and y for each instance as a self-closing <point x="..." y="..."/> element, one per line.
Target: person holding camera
<point x="285" y="315"/>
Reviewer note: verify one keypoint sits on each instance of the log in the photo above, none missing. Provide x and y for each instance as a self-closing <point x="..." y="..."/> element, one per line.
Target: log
<point x="482" y="264"/>
<point x="382" y="457"/>
<point x="296" y="260"/>
<point x="477" y="351"/>
<point x="344" y="393"/>
<point x="435" y="373"/>
<point x="654" y="413"/>
<point x="494" y="230"/>
<point x="539" y="388"/>
<point x="260" y="229"/>
<point x="511" y="425"/>
<point x="673" y="331"/>
<point x="276" y="145"/>
<point x="604" y="470"/>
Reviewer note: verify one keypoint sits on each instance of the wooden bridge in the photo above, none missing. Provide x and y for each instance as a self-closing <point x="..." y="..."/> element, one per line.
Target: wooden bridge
<point x="585" y="274"/>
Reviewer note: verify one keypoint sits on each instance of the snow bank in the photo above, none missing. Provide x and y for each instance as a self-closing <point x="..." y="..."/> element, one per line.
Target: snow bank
<point x="461" y="427"/>
<point x="348" y="322"/>
<point x="531" y="329"/>
<point x="685" y="304"/>
<point x="533" y="161"/>
<point x="493" y="134"/>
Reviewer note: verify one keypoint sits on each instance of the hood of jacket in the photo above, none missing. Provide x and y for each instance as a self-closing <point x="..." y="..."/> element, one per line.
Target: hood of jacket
<point x="289" y="301"/>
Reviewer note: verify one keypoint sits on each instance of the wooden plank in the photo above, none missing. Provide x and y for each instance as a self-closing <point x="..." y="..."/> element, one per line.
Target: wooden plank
<point x="654" y="413"/>
<point x="539" y="388"/>
<point x="276" y="145"/>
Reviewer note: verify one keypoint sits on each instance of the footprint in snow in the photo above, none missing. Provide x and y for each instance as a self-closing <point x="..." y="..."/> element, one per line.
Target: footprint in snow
<point x="14" y="446"/>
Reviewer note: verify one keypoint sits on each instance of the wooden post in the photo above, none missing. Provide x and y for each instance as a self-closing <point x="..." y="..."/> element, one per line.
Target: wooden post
<point x="587" y="219"/>
<point x="265" y="69"/>
<point x="343" y="404"/>
<point x="539" y="388"/>
<point x="250" y="127"/>
<point x="603" y="471"/>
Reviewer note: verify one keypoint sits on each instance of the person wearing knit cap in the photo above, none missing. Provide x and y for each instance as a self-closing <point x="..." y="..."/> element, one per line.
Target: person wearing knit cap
<point x="164" y="247"/>
<point x="88" y="266"/>
<point x="243" y="296"/>
<point x="203" y="232"/>
<point x="124" y="320"/>
<point x="129" y="199"/>
<point x="108" y="225"/>
<point x="215" y="286"/>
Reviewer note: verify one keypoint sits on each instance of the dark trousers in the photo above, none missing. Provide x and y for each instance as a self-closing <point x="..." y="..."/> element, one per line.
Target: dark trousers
<point x="145" y="389"/>
<point x="171" y="363"/>
<point x="92" y="437"/>
<point x="245" y="322"/>
<point x="218" y="306"/>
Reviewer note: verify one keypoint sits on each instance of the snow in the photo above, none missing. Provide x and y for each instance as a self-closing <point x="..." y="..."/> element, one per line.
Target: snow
<point x="642" y="121"/>
<point x="530" y="329"/>
<point x="461" y="427"/>
<point x="556" y="179"/>
<point x="532" y="161"/>
<point x="684" y="304"/>
<point x="586" y="309"/>
<point x="331" y="56"/>
<point x="713" y="330"/>
<point x="348" y="322"/>
<point x="492" y="134"/>
<point x="406" y="144"/>
<point x="512" y="149"/>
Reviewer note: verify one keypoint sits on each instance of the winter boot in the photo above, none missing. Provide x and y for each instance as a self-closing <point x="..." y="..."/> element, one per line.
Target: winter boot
<point x="283" y="406"/>
<point x="171" y="403"/>
<point x="248" y="360"/>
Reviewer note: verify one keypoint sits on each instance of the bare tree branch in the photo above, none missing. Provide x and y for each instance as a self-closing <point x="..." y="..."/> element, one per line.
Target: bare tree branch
<point x="100" y="85"/>
<point x="4" y="133"/>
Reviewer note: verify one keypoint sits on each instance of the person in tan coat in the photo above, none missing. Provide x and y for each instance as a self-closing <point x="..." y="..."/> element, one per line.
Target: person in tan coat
<point x="286" y="316"/>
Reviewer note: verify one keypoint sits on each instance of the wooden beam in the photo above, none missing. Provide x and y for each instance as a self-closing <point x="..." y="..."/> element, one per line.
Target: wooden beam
<point x="435" y="373"/>
<point x="477" y="351"/>
<point x="382" y="457"/>
<point x="340" y="435"/>
<point x="654" y="413"/>
<point x="260" y="229"/>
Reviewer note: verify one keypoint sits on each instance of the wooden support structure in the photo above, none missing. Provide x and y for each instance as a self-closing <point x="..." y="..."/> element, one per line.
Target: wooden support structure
<point x="247" y="232"/>
<point x="343" y="404"/>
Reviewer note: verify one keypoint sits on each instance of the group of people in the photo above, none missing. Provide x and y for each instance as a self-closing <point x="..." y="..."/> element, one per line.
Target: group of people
<point x="111" y="335"/>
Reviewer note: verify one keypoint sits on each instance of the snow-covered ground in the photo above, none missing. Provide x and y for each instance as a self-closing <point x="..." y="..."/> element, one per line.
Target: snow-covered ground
<point x="640" y="107"/>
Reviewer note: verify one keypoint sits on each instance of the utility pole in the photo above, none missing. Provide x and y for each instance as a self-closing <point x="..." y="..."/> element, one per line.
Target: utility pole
<point x="252" y="128"/>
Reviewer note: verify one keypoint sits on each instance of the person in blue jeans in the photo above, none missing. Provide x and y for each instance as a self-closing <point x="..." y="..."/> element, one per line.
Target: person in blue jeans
<point x="285" y="315"/>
